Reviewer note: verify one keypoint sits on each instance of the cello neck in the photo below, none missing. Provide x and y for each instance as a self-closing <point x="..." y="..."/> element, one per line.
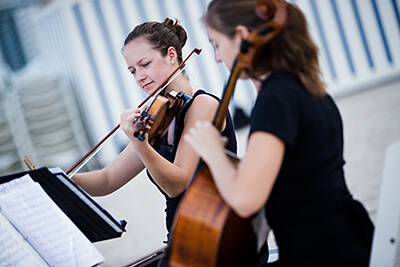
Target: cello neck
<point x="276" y="13"/>
<point x="227" y="95"/>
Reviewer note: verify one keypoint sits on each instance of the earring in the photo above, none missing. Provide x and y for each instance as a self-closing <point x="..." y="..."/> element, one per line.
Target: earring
<point x="172" y="62"/>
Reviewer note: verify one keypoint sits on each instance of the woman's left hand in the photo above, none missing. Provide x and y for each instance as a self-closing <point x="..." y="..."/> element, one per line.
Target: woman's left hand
<point x="205" y="139"/>
<point x="128" y="126"/>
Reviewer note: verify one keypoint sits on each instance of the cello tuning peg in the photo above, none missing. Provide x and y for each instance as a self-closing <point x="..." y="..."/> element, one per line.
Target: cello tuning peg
<point x="245" y="46"/>
<point x="265" y="30"/>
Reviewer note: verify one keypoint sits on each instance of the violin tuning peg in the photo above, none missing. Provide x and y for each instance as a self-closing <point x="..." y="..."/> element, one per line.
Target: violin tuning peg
<point x="144" y="113"/>
<point x="147" y="119"/>
<point x="141" y="137"/>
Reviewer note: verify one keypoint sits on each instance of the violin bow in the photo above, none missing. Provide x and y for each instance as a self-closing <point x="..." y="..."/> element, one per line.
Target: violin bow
<point x="89" y="155"/>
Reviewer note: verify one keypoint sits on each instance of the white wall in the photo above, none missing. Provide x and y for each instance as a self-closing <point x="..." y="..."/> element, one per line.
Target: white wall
<point x="359" y="42"/>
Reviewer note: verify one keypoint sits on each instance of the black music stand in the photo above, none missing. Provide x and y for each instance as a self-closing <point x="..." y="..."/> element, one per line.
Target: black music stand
<point x="91" y="219"/>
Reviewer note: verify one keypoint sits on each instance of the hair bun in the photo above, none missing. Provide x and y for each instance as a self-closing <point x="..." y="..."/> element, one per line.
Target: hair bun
<point x="177" y="29"/>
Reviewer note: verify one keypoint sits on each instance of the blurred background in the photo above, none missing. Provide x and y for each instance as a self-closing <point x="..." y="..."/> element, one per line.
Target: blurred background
<point x="64" y="83"/>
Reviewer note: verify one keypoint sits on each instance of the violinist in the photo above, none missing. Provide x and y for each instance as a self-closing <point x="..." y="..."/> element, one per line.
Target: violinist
<point x="152" y="51"/>
<point x="293" y="167"/>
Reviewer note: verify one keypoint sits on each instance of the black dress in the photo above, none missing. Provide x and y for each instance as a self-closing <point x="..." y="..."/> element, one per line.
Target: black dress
<point x="169" y="152"/>
<point x="315" y="220"/>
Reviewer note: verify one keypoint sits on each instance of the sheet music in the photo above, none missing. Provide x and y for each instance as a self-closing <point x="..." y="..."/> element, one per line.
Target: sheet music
<point x="14" y="250"/>
<point x="12" y="185"/>
<point x="46" y="227"/>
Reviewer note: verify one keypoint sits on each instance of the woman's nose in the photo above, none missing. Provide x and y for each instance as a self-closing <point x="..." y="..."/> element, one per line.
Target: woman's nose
<point x="140" y="76"/>
<point x="217" y="56"/>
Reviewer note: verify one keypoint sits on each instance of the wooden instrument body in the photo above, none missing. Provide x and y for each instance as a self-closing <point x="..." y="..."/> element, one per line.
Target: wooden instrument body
<point x="206" y="219"/>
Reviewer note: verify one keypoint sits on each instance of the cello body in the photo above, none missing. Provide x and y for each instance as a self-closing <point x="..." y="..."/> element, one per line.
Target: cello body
<point x="219" y="236"/>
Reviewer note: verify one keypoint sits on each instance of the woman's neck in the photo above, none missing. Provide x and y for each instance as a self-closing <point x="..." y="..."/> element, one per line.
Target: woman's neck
<point x="182" y="84"/>
<point x="258" y="82"/>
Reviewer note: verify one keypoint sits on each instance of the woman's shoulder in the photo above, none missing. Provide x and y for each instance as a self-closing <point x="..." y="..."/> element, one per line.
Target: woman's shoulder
<point x="204" y="94"/>
<point x="283" y="79"/>
<point x="202" y="97"/>
<point x="202" y="102"/>
<point x="282" y="84"/>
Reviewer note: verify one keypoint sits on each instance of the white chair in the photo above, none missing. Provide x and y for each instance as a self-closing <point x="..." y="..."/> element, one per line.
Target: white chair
<point x="385" y="245"/>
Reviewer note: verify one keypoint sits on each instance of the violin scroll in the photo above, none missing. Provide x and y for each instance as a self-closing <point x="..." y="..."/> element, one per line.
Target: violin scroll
<point x="142" y="123"/>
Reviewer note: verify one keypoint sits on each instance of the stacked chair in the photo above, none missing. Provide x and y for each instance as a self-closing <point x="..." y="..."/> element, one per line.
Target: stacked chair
<point x="39" y="118"/>
<point x="9" y="158"/>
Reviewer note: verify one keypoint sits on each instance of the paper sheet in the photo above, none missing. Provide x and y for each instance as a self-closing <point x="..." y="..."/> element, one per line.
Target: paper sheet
<point x="14" y="251"/>
<point x="46" y="227"/>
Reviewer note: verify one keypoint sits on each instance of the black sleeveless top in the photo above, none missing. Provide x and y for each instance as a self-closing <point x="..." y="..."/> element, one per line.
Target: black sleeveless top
<point x="169" y="152"/>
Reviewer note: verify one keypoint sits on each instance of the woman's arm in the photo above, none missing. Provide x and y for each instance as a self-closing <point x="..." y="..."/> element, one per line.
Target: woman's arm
<point x="174" y="178"/>
<point x="116" y="174"/>
<point x="247" y="186"/>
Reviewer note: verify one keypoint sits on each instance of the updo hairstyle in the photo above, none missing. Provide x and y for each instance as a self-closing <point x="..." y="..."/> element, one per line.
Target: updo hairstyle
<point x="160" y="35"/>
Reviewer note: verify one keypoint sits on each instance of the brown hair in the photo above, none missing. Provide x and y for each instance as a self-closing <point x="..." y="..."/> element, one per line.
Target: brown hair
<point x="161" y="35"/>
<point x="292" y="51"/>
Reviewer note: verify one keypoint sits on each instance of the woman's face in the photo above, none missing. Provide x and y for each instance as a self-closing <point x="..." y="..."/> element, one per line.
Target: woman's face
<point x="149" y="68"/>
<point x="226" y="49"/>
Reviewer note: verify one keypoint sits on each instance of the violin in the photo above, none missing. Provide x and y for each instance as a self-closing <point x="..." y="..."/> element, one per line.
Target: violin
<point x="155" y="117"/>
<point x="206" y="232"/>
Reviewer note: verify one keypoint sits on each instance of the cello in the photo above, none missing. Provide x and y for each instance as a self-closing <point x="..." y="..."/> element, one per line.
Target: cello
<point x="206" y="232"/>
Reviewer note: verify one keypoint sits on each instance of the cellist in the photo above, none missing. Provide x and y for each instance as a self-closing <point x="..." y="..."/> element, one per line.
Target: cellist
<point x="293" y="167"/>
<point x="152" y="51"/>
